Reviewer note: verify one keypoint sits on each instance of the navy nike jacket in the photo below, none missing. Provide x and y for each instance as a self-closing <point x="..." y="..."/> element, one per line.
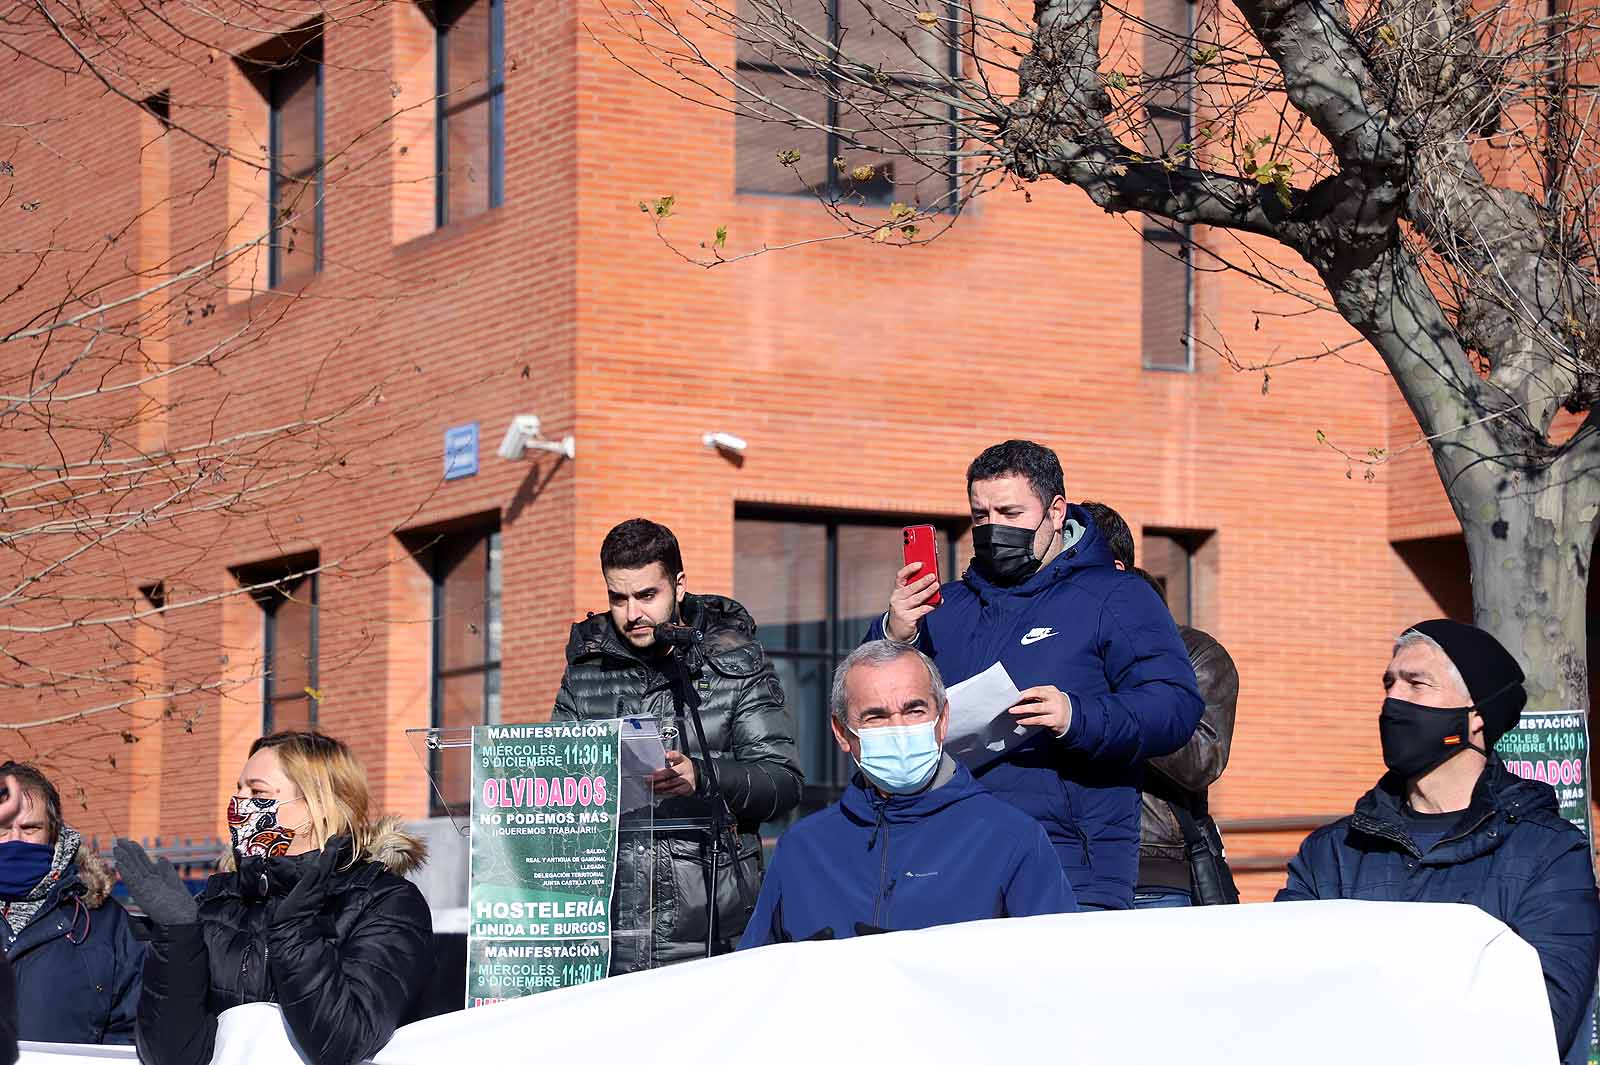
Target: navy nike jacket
<point x="873" y="863"/>
<point x="1106" y="639"/>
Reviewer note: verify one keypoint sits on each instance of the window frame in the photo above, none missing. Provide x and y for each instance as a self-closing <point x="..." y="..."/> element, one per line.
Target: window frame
<point x="312" y="55"/>
<point x="446" y="13"/>
<point x="817" y="795"/>
<point x="447" y="547"/>
<point x="1176" y="239"/>
<point x="1190" y="542"/>
<point x="837" y="187"/>
<point x="274" y="598"/>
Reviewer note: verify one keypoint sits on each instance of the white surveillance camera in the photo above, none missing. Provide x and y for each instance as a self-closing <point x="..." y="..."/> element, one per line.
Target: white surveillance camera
<point x="725" y="442"/>
<point x="524" y="430"/>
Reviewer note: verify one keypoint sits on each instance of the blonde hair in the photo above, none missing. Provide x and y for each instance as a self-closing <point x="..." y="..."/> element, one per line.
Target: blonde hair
<point x="333" y="784"/>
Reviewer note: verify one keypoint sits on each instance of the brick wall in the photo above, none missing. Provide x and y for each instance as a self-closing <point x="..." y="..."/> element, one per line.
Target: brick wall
<point x="864" y="377"/>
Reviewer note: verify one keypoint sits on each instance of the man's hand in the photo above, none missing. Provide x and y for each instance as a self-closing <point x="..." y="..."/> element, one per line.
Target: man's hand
<point x="908" y="603"/>
<point x="677" y="778"/>
<point x="1044" y="707"/>
<point x="10" y="802"/>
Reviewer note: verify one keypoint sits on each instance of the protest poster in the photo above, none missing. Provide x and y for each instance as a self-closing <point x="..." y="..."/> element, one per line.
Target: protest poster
<point x="543" y="857"/>
<point x="1553" y="746"/>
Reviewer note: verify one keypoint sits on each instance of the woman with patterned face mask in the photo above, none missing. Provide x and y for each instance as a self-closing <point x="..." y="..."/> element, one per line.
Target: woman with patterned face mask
<point x="311" y="911"/>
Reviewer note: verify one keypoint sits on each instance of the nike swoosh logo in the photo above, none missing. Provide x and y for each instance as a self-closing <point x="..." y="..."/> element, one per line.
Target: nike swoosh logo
<point x="1035" y="635"/>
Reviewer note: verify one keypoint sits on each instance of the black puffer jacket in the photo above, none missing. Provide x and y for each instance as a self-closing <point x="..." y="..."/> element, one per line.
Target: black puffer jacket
<point x="751" y="736"/>
<point x="1187" y="773"/>
<point x="343" y="980"/>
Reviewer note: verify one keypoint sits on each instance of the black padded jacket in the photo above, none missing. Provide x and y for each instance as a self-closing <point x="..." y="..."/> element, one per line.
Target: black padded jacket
<point x="750" y="734"/>
<point x="344" y="979"/>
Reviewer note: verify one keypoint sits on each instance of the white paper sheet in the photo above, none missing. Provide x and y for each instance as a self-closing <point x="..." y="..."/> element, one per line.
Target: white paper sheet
<point x="980" y="729"/>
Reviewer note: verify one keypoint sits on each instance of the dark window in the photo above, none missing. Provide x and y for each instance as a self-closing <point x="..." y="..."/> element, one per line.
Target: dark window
<point x="1167" y="277"/>
<point x="902" y="146"/>
<point x="814" y="585"/>
<point x="294" y="183"/>
<point x="160" y="107"/>
<point x="1179" y="561"/>
<point x="289" y="658"/>
<point x="471" y="117"/>
<point x="465" y="571"/>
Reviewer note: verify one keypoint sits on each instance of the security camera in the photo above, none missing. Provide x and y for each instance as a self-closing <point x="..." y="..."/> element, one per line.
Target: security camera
<point x="523" y="430"/>
<point x="725" y="442"/>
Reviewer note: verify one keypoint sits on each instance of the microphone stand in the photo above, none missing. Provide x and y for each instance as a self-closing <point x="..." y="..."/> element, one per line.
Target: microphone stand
<point x="685" y="697"/>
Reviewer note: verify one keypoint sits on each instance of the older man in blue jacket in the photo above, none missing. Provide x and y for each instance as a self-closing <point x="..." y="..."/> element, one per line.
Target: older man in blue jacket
<point x="1106" y="682"/>
<point x="914" y="841"/>
<point x="1449" y="822"/>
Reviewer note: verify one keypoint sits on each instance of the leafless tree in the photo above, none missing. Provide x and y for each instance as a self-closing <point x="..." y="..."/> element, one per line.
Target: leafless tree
<point x="1431" y="162"/>
<point x="139" y="436"/>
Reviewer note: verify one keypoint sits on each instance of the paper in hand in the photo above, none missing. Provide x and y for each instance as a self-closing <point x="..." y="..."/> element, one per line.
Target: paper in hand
<point x="981" y="731"/>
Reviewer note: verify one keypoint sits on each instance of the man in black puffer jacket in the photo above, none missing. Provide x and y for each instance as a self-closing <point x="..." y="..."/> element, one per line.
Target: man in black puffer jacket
<point x="615" y="668"/>
<point x="1449" y="823"/>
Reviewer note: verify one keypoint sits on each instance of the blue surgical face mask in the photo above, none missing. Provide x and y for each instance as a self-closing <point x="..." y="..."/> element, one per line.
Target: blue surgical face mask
<point x="22" y="867"/>
<point x="899" y="759"/>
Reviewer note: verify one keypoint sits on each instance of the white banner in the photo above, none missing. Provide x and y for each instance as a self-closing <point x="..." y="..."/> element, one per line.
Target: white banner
<point x="1312" y="983"/>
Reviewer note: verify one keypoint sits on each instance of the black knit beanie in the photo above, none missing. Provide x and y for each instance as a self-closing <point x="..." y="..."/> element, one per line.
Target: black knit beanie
<point x="1493" y="677"/>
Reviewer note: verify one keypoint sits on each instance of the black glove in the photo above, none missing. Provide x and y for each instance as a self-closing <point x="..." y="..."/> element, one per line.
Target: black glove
<point x="305" y="899"/>
<point x="155" y="885"/>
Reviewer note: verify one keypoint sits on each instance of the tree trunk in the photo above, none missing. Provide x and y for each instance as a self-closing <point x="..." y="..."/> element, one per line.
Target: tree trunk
<point x="1530" y="547"/>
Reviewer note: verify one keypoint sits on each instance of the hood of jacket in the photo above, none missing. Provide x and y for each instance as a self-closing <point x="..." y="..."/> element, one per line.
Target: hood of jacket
<point x="1083" y="548"/>
<point x="96" y="877"/>
<point x="1498" y="794"/>
<point x="78" y="870"/>
<point x="729" y="643"/>
<point x="396" y="849"/>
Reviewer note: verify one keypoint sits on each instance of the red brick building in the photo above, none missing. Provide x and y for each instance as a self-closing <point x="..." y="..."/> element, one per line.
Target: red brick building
<point x="862" y="378"/>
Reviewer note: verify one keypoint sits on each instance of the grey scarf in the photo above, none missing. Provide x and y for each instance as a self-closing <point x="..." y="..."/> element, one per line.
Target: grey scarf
<point x="23" y="910"/>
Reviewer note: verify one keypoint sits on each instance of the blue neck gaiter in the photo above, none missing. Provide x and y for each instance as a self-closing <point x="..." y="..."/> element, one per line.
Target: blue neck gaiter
<point x="22" y="867"/>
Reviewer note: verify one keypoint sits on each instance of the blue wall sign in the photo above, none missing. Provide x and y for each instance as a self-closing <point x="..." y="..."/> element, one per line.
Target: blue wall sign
<point x="460" y="451"/>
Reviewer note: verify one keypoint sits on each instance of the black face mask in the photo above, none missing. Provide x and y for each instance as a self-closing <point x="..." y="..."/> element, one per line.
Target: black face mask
<point x="1418" y="739"/>
<point x="1004" y="553"/>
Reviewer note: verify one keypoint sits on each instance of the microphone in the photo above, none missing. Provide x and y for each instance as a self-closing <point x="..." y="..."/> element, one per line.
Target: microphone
<point x="670" y="635"/>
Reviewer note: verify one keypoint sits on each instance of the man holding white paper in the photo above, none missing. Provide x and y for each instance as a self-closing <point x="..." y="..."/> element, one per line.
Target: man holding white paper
<point x="620" y="664"/>
<point x="1104" y="680"/>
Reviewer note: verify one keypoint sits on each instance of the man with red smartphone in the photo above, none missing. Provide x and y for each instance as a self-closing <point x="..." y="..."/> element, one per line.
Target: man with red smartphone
<point x="1105" y="681"/>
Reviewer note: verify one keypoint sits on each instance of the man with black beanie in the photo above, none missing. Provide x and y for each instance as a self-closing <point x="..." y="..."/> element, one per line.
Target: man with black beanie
<point x="1449" y="823"/>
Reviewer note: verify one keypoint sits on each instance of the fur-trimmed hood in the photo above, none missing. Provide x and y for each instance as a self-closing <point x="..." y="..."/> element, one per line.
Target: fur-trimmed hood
<point x="396" y="849"/>
<point x="96" y="877"/>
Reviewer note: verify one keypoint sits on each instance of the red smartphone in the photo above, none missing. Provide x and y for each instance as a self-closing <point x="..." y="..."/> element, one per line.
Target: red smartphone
<point x="921" y="546"/>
